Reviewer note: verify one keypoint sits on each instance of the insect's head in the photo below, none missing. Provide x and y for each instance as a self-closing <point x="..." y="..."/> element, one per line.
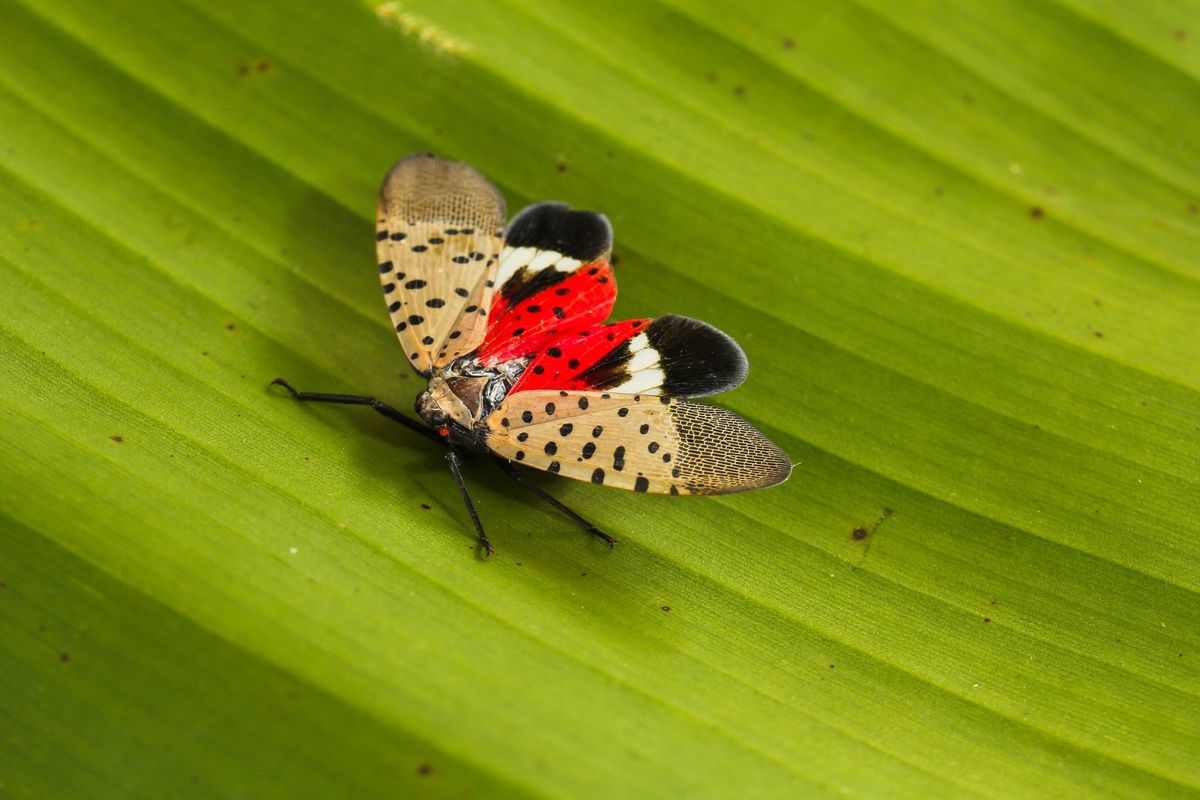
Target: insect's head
<point x="443" y="411"/>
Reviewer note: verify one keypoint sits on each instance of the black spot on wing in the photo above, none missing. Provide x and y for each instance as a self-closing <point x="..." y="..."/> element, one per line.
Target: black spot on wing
<point x="698" y="359"/>
<point x="585" y="235"/>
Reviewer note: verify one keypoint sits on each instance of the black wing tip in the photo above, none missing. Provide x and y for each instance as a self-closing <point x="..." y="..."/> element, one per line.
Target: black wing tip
<point x="584" y="235"/>
<point x="699" y="360"/>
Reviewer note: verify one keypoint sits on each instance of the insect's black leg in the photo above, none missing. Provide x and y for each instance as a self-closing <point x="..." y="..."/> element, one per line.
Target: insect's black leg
<point x="513" y="473"/>
<point x="452" y="459"/>
<point x="360" y="400"/>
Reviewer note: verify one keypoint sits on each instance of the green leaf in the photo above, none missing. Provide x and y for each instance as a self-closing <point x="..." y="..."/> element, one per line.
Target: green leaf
<point x="957" y="240"/>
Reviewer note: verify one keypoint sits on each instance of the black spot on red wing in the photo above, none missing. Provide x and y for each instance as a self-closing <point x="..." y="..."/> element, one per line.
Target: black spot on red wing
<point x="539" y="369"/>
<point x="554" y="352"/>
<point x="563" y="291"/>
<point x="558" y="312"/>
<point x="533" y="309"/>
<point x="573" y="363"/>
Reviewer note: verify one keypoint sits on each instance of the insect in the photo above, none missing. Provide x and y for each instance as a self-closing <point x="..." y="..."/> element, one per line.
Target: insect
<point x="508" y="326"/>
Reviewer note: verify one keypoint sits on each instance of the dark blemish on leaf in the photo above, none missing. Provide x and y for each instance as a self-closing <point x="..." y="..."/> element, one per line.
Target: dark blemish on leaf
<point x="1036" y="212"/>
<point x="1180" y="34"/>
<point x="1096" y="301"/>
<point x="204" y="353"/>
<point x="117" y="439"/>
<point x="426" y="506"/>
<point x="560" y="167"/>
<point x="968" y="100"/>
<point x="987" y="619"/>
<point x="739" y="90"/>
<point x="230" y="326"/>
<point x="788" y="44"/>
<point x="424" y="769"/>
<point x="1193" y="208"/>
<point x="1098" y="334"/>
<point x="711" y="77"/>
<point x="860" y="533"/>
<point x="614" y="259"/>
<point x="833" y="666"/>
<point x="64" y="657"/>
<point x="262" y="65"/>
<point x="666" y="608"/>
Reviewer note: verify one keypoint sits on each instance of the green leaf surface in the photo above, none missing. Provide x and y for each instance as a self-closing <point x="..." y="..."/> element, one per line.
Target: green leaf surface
<point x="959" y="241"/>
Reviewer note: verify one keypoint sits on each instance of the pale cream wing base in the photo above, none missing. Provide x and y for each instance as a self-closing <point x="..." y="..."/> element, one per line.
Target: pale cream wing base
<point x="637" y="442"/>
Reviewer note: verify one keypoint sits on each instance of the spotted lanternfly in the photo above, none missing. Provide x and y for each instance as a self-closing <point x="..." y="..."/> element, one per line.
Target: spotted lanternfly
<point x="507" y="325"/>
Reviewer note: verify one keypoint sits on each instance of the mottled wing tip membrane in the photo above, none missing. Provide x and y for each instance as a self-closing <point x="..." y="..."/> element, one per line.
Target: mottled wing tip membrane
<point x="723" y="453"/>
<point x="582" y="235"/>
<point x="422" y="187"/>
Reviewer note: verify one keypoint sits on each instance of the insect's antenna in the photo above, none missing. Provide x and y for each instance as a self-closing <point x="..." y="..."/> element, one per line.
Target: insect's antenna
<point x="360" y="400"/>
<point x="513" y="473"/>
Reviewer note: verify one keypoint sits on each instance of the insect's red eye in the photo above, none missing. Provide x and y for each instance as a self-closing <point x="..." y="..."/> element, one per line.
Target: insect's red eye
<point x="444" y="431"/>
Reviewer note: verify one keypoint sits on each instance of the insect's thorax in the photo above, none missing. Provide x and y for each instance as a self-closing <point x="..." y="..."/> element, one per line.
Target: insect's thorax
<point x="462" y="394"/>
